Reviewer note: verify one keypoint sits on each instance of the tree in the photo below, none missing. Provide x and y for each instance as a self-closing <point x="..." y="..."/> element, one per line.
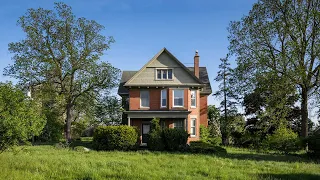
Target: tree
<point x="214" y="121"/>
<point x="20" y="117"/>
<point x="109" y="110"/>
<point x="280" y="37"/>
<point x="64" y="51"/>
<point x="227" y="106"/>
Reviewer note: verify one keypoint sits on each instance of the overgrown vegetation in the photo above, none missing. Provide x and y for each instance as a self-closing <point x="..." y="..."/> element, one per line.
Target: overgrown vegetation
<point x="20" y="118"/>
<point x="121" y="138"/>
<point x="167" y="139"/>
<point x="43" y="162"/>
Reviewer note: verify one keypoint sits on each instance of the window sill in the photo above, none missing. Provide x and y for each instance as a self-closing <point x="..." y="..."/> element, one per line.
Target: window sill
<point x="193" y="107"/>
<point x="163" y="107"/>
<point x="193" y="136"/>
<point x="164" y="79"/>
<point x="144" y="108"/>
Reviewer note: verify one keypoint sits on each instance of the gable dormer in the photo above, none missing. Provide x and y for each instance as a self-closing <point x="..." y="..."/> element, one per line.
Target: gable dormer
<point x="164" y="70"/>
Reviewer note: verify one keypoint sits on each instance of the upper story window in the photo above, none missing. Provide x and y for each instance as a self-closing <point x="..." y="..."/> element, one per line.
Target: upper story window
<point x="178" y="97"/>
<point x="144" y="99"/>
<point x="164" y="74"/>
<point x="193" y="98"/>
<point x="163" y="98"/>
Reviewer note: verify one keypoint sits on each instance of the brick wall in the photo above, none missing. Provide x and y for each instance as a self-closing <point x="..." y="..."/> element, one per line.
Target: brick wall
<point x="204" y="110"/>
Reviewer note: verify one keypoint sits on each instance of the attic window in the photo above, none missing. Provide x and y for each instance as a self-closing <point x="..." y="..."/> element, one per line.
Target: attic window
<point x="164" y="74"/>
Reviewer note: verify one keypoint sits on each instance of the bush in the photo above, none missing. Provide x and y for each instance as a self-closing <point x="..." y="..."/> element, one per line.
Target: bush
<point x="115" y="138"/>
<point x="78" y="128"/>
<point x="283" y="140"/>
<point x="175" y="139"/>
<point x="155" y="142"/>
<point x="314" y="144"/>
<point x="205" y="136"/>
<point x="207" y="148"/>
<point x="20" y="118"/>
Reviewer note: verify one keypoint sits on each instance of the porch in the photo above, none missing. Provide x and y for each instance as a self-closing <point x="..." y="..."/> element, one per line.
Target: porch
<point x="168" y="119"/>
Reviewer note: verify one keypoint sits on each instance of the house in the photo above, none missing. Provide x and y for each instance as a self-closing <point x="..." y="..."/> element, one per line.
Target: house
<point x="164" y="88"/>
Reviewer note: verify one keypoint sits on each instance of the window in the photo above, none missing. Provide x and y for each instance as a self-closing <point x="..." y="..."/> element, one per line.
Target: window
<point x="164" y="74"/>
<point x="162" y="124"/>
<point x="164" y="98"/>
<point x="169" y="73"/>
<point x="193" y="98"/>
<point x="193" y="127"/>
<point x="144" y="99"/>
<point x="178" y="96"/>
<point x="178" y="124"/>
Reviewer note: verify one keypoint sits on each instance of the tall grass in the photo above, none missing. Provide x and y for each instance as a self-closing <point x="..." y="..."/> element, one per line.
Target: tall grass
<point x="48" y="162"/>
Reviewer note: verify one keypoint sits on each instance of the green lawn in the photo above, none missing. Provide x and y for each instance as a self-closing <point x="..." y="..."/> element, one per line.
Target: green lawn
<point x="48" y="162"/>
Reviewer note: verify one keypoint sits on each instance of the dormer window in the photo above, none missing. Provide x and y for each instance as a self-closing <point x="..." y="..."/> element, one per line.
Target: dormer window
<point x="164" y="74"/>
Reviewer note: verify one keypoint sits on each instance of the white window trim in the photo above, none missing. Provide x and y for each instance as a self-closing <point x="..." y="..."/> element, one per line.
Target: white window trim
<point x="173" y="98"/>
<point x="156" y="74"/>
<point x="140" y="100"/>
<point x="161" y="98"/>
<point x="195" y="127"/>
<point x="195" y="97"/>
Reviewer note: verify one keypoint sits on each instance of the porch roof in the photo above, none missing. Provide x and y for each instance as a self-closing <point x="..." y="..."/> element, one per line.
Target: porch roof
<point x="157" y="114"/>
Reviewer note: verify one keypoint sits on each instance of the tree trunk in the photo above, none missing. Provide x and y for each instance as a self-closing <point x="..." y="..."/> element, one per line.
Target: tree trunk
<point x="304" y="112"/>
<point x="225" y="139"/>
<point x="68" y="122"/>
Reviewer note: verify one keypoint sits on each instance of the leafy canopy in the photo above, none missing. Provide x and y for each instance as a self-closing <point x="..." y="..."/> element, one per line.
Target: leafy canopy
<point x="20" y="118"/>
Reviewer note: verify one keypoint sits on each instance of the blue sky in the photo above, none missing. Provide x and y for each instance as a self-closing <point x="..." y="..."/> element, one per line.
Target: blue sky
<point x="142" y="27"/>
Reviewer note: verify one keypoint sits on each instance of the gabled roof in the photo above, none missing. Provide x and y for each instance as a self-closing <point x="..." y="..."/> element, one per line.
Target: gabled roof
<point x="154" y="58"/>
<point x="203" y="76"/>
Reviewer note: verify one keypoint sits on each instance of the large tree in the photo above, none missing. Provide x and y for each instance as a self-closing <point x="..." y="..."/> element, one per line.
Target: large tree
<point x="280" y="37"/>
<point x="64" y="51"/>
<point x="228" y="104"/>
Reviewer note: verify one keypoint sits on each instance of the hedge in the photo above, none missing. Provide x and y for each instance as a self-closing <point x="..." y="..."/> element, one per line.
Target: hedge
<point x="115" y="138"/>
<point x="175" y="139"/>
<point x="314" y="144"/>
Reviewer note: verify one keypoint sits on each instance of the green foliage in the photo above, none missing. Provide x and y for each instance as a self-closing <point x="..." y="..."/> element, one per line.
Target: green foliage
<point x="283" y="140"/>
<point x="155" y="142"/>
<point x="78" y="128"/>
<point x="175" y="139"/>
<point x="115" y="138"/>
<point x="65" y="51"/>
<point x="207" y="148"/>
<point x="109" y="110"/>
<point x="20" y="118"/>
<point x="314" y="144"/>
<point x="274" y="46"/>
<point x="206" y="137"/>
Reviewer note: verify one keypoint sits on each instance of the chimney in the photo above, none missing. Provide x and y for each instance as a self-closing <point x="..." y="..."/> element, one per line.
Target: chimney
<point x="196" y="64"/>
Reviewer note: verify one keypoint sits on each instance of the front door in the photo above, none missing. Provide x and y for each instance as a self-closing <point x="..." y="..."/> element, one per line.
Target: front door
<point x="145" y="133"/>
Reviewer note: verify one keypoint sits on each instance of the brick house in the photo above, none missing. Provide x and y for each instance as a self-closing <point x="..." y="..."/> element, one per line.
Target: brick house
<point x="166" y="89"/>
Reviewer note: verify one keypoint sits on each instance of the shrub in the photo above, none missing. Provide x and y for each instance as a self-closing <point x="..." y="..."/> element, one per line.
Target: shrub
<point x="204" y="147"/>
<point x="207" y="137"/>
<point x="20" y="118"/>
<point x="283" y="140"/>
<point x="175" y="139"/>
<point x="314" y="144"/>
<point x="78" y="128"/>
<point x="155" y="142"/>
<point x="115" y="138"/>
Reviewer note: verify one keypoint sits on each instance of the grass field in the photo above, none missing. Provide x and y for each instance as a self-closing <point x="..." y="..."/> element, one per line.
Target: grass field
<point x="48" y="162"/>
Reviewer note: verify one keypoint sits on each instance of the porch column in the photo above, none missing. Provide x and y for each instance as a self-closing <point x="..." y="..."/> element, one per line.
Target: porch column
<point x="186" y="124"/>
<point x="128" y="120"/>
